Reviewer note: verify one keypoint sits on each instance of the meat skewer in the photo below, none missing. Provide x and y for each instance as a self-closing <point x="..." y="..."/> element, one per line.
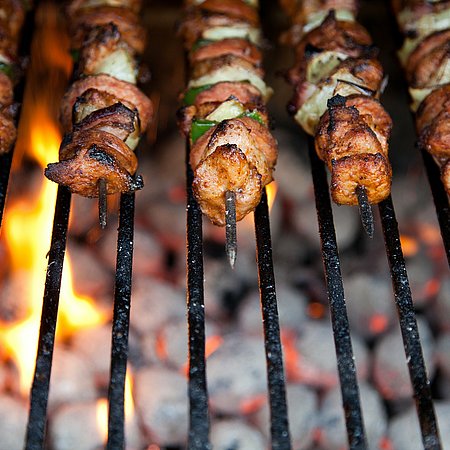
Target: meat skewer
<point x="337" y="82"/>
<point x="103" y="113"/>
<point x="12" y="17"/>
<point x="232" y="152"/>
<point x="426" y="61"/>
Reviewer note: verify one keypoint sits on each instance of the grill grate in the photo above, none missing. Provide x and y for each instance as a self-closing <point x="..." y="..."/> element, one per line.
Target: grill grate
<point x="198" y="391"/>
<point x="405" y="309"/>
<point x="121" y="324"/>
<point x="35" y="437"/>
<point x="338" y="309"/>
<point x="198" y="395"/>
<point x="408" y="325"/>
<point x="272" y="342"/>
<point x="37" y="418"/>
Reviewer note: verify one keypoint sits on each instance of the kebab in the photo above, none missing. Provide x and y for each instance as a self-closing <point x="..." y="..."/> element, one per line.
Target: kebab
<point x="103" y="113"/>
<point x="337" y="82"/>
<point x="232" y="152"/>
<point x="425" y="58"/>
<point x="12" y="16"/>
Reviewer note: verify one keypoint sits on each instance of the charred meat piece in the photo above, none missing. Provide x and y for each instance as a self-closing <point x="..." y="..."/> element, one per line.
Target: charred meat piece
<point x="372" y="171"/>
<point x="104" y="51"/>
<point x="127" y="22"/>
<point x="236" y="9"/>
<point x="91" y="156"/>
<point x="241" y="48"/>
<point x="206" y="66"/>
<point x="433" y="124"/>
<point x="222" y="91"/>
<point x="199" y="25"/>
<point x="77" y="6"/>
<point x="352" y="76"/>
<point x="125" y="92"/>
<point x="237" y="155"/>
<point x="8" y="131"/>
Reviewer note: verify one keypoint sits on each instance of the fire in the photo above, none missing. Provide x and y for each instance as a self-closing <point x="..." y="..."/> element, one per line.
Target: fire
<point x="102" y="409"/>
<point x="409" y="245"/>
<point x="28" y="221"/>
<point x="271" y="190"/>
<point x="102" y="418"/>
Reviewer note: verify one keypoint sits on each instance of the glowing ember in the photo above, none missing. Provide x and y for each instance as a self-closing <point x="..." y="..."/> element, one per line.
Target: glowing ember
<point x="378" y="323"/>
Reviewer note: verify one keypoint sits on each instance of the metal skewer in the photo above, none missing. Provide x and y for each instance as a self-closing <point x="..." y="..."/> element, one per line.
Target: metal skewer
<point x="365" y="210"/>
<point x="230" y="227"/>
<point x="102" y="203"/>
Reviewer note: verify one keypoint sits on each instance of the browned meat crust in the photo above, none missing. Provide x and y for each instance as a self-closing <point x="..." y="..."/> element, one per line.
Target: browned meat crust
<point x="423" y="54"/>
<point x="445" y="175"/>
<point x="193" y="27"/>
<point x="126" y="21"/>
<point x="88" y="156"/>
<point x="127" y="94"/>
<point x="369" y="73"/>
<point x="209" y="65"/>
<point x="348" y="38"/>
<point x="352" y="136"/>
<point x="226" y="168"/>
<point x="370" y="170"/>
<point x="220" y="92"/>
<point x="6" y="90"/>
<point x="237" y="47"/>
<point x="77" y="6"/>
<point x="100" y="42"/>
<point x="8" y="132"/>
<point x="301" y="10"/>
<point x="431" y="107"/>
<point x="338" y="35"/>
<point x="12" y="16"/>
<point x="116" y="119"/>
<point x="433" y="123"/>
<point x="426" y="65"/>
<point x="236" y="9"/>
<point x="239" y="155"/>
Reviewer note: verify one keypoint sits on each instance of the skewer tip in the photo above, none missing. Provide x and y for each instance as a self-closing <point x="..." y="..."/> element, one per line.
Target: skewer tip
<point x="102" y="203"/>
<point x="365" y="210"/>
<point x="230" y="227"/>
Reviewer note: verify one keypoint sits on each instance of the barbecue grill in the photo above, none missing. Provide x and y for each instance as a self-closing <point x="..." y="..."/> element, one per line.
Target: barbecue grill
<point x="197" y="374"/>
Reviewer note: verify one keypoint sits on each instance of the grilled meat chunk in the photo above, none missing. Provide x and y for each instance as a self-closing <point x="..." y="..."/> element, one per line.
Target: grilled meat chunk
<point x="239" y="155"/>
<point x="241" y="48"/>
<point x="126" y="93"/>
<point x="93" y="155"/>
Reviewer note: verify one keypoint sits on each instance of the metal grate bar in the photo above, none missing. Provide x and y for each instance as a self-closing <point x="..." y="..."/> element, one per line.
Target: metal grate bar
<point x="121" y="324"/>
<point x="198" y="391"/>
<point x="408" y="325"/>
<point x="341" y="331"/>
<point x="272" y="342"/>
<point x="440" y="199"/>
<point x="5" y="169"/>
<point x="37" y="418"/>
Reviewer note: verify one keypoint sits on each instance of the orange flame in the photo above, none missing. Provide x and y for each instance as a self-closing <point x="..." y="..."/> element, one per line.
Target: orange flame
<point x="102" y="409"/>
<point x="28" y="221"/>
<point x="409" y="245"/>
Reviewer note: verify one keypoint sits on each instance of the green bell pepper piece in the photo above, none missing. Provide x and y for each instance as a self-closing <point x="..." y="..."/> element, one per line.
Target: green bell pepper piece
<point x="199" y="127"/>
